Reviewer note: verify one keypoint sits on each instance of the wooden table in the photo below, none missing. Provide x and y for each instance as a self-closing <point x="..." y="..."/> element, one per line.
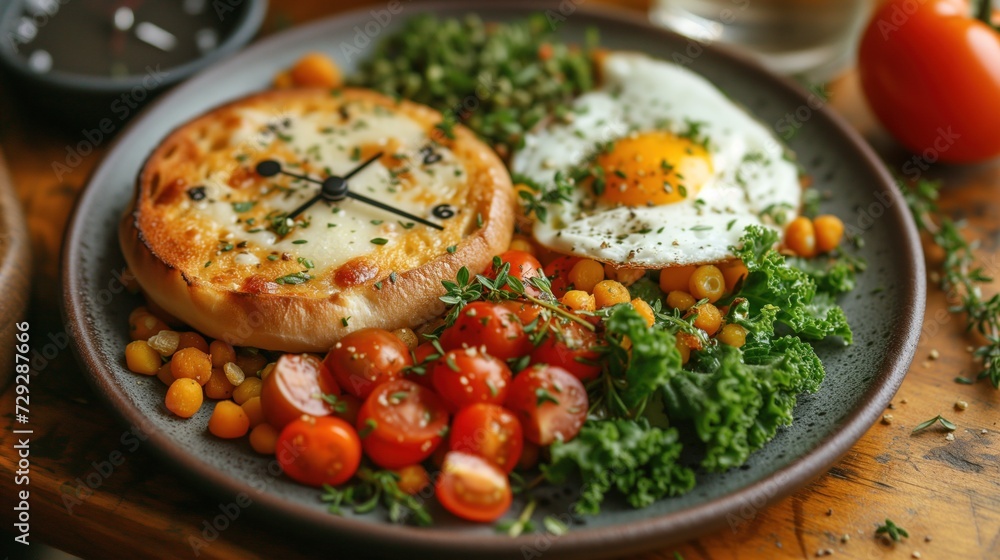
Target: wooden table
<point x="947" y="494"/>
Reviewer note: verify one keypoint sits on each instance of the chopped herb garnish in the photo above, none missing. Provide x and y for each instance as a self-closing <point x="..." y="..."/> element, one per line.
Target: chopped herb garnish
<point x="243" y="206"/>
<point x="345" y="320"/>
<point x="380" y="241"/>
<point x="542" y="396"/>
<point x="300" y="241"/>
<point x="452" y="248"/>
<point x="893" y="531"/>
<point x="295" y="278"/>
<point x="948" y="425"/>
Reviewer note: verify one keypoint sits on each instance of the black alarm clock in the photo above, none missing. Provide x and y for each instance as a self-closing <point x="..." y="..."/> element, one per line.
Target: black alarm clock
<point x="83" y="61"/>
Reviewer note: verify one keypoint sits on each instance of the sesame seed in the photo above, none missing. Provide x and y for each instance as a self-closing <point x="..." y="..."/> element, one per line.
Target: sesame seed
<point x="961" y="405"/>
<point x="934" y="354"/>
<point x="887" y="418"/>
<point x="950" y="437"/>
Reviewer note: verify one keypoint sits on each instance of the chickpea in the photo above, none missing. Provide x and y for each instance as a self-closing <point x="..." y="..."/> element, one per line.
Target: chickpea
<point x="709" y="318"/>
<point x="733" y="271"/>
<point x="191" y="339"/>
<point x="829" y="232"/>
<point x="644" y="310"/>
<point x="191" y="363"/>
<point x="228" y="420"/>
<point x="145" y="326"/>
<point x="800" y="237"/>
<point x="316" y="70"/>
<point x="141" y="358"/>
<point x="264" y="439"/>
<point x="413" y="479"/>
<point x="254" y="411"/>
<point x="247" y="390"/>
<point x="609" y="292"/>
<point x="586" y="274"/>
<point x="579" y="300"/>
<point x="184" y="397"/>
<point x="684" y="350"/>
<point x="626" y="276"/>
<point x="165" y="375"/>
<point x="222" y="353"/>
<point x="680" y="300"/>
<point x="522" y="243"/>
<point x="733" y="335"/>
<point x="250" y="363"/>
<point x="218" y="386"/>
<point x="676" y="278"/>
<point x="408" y="337"/>
<point x="707" y="282"/>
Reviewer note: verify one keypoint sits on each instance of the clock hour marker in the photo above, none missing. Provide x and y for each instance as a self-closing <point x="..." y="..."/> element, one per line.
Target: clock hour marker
<point x="124" y="18"/>
<point x="40" y="61"/>
<point x="206" y="39"/>
<point x="156" y="36"/>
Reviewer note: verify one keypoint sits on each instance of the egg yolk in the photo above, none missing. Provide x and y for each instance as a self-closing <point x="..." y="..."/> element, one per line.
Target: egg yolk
<point x="652" y="169"/>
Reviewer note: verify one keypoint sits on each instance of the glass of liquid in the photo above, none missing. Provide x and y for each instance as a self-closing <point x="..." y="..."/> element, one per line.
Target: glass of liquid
<point x="809" y="38"/>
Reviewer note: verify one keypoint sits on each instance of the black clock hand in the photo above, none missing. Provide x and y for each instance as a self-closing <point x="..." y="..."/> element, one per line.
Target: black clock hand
<point x="332" y="188"/>
<point x="388" y="208"/>
<point x="335" y="189"/>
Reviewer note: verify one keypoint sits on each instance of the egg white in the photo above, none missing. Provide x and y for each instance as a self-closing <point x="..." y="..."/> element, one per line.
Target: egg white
<point x="754" y="180"/>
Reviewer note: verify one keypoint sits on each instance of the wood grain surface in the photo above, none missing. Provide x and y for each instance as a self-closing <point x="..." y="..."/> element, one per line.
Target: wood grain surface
<point x="15" y="270"/>
<point x="96" y="493"/>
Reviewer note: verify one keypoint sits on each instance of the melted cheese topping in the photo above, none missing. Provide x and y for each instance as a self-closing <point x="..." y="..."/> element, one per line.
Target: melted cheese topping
<point x="238" y="217"/>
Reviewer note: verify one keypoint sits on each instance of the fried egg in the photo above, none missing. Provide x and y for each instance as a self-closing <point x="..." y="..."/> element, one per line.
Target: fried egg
<point x="658" y="167"/>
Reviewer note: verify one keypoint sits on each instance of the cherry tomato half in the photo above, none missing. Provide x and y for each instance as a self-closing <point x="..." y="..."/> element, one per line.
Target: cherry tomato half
<point x="295" y="387"/>
<point x="366" y="358"/>
<point x="486" y="324"/>
<point x="468" y="376"/>
<point x="401" y="423"/>
<point x="472" y="488"/>
<point x="523" y="266"/>
<point x="550" y="402"/>
<point x="489" y="431"/>
<point x="318" y="451"/>
<point x="931" y="74"/>
<point x="570" y="346"/>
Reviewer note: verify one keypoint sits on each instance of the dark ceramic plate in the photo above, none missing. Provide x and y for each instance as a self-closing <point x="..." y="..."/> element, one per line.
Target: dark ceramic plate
<point x="885" y="310"/>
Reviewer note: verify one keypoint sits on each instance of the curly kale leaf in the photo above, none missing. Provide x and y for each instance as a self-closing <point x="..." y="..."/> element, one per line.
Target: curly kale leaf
<point x="630" y="456"/>
<point x="772" y="282"/>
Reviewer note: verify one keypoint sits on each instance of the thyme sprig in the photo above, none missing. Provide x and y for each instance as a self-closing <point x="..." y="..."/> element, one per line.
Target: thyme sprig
<point x="893" y="531"/>
<point x="465" y="290"/>
<point x="372" y="488"/>
<point x="961" y="276"/>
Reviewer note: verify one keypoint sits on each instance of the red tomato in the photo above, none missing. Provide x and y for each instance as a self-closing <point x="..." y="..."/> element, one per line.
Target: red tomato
<point x="472" y="488"/>
<point x="318" y="451"/>
<point x="570" y="346"/>
<point x="347" y="408"/>
<point x="423" y="361"/>
<point x="523" y="266"/>
<point x="366" y="358"/>
<point x="558" y="274"/>
<point x="489" y="431"/>
<point x="401" y="423"/>
<point x="486" y="324"/>
<point x="550" y="402"/>
<point x="526" y="312"/>
<point x="931" y="74"/>
<point x="294" y="388"/>
<point x="467" y="376"/>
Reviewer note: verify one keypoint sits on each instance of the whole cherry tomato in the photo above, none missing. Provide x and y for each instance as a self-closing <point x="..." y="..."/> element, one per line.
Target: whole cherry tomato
<point x="523" y="266"/>
<point x="366" y="358"/>
<point x="468" y="376"/>
<point x="496" y="327"/>
<point x="473" y="488"/>
<point x="489" y="431"/>
<point x="295" y="387"/>
<point x="401" y="423"/>
<point x="550" y="402"/>
<point x="570" y="346"/>
<point x="558" y="273"/>
<point x="423" y="362"/>
<point x="931" y="74"/>
<point x="318" y="451"/>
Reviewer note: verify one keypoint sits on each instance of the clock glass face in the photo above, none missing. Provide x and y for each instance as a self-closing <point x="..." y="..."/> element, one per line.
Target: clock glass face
<point x="116" y="38"/>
